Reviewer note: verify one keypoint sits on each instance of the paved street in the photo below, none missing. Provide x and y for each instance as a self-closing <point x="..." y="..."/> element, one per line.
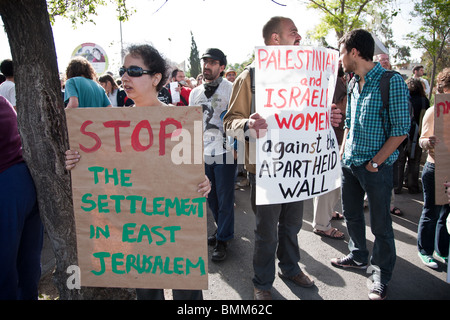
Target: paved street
<point x="231" y="279"/>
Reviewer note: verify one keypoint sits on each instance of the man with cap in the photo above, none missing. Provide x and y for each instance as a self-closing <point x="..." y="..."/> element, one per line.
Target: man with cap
<point x="230" y="75"/>
<point x="220" y="166"/>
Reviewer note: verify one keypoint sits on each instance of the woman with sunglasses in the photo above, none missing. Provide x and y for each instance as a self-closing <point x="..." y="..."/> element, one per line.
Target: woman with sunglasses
<point x="144" y="73"/>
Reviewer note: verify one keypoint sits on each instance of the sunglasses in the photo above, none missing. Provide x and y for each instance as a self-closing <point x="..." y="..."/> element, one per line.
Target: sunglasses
<point x="134" y="71"/>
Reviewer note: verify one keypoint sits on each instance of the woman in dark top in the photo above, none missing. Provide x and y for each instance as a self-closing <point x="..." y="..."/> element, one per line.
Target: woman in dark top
<point x="413" y="153"/>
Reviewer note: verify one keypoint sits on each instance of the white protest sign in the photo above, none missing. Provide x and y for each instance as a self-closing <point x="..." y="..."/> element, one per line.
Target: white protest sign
<point x="174" y="92"/>
<point x="298" y="158"/>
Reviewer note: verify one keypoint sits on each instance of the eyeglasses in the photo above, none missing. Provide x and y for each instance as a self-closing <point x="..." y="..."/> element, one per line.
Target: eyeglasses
<point x="134" y="71"/>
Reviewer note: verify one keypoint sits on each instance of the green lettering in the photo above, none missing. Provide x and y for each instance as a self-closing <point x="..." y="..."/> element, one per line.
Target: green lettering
<point x="117" y="199"/>
<point x="114" y="176"/>
<point x="133" y="199"/>
<point x="154" y="230"/>
<point x="103" y="206"/>
<point x="183" y="207"/>
<point x="101" y="256"/>
<point x="144" y="231"/>
<point x="131" y="263"/>
<point x="200" y="264"/>
<point x="158" y="264"/>
<point x="199" y="202"/>
<point x="126" y="232"/>
<point x="115" y="263"/>
<point x="124" y="179"/>
<point x="172" y="204"/>
<point x="96" y="170"/>
<point x="95" y="231"/>
<point x="167" y="266"/>
<point x="146" y="261"/>
<point x="85" y="200"/>
<point x="178" y="265"/>
<point x="172" y="230"/>
<point x="157" y="205"/>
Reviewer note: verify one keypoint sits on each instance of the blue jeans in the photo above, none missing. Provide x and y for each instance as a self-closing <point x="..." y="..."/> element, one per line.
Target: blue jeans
<point x="432" y="234"/>
<point x="356" y="181"/>
<point x="277" y="228"/>
<point x="221" y="171"/>
<point x="21" y="235"/>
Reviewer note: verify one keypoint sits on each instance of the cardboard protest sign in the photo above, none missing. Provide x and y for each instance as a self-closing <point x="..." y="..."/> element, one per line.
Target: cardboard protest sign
<point x="140" y="221"/>
<point x="298" y="158"/>
<point x="442" y="149"/>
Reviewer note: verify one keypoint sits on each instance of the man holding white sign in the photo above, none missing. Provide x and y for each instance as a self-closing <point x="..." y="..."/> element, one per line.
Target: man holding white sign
<point x="277" y="224"/>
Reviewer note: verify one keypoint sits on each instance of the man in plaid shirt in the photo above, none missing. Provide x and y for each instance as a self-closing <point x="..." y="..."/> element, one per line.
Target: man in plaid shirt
<point x="367" y="158"/>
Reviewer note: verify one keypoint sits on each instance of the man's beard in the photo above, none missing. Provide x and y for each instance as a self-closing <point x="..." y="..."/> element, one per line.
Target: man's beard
<point x="210" y="76"/>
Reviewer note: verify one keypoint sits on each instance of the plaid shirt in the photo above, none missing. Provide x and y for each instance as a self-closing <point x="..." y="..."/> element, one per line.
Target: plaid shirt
<point x="366" y="135"/>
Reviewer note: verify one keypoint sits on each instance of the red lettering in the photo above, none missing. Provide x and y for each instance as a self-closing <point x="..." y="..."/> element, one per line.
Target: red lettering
<point x="279" y="61"/>
<point x="294" y="96"/>
<point x="445" y="108"/>
<point x="262" y="59"/>
<point x="299" y="52"/>
<point x="315" y="95"/>
<point x="283" y="122"/>
<point x="282" y="97"/>
<point x="135" y="142"/>
<point x="116" y="124"/>
<point x="306" y="97"/>
<point x="310" y="120"/>
<point x="272" y="59"/>
<point x="302" y="121"/>
<point x="288" y="59"/>
<point x="319" y="121"/>
<point x="98" y="141"/>
<point x="163" y="135"/>
<point x="269" y="98"/>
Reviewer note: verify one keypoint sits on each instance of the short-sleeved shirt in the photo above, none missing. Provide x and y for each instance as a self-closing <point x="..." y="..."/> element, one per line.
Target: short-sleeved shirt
<point x="366" y="134"/>
<point x="8" y="90"/>
<point x="89" y="93"/>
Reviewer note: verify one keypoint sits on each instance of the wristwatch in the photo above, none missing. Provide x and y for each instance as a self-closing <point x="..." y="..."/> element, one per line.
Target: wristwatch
<point x="374" y="164"/>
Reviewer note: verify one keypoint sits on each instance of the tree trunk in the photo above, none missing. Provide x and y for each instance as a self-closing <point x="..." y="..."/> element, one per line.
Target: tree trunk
<point x="43" y="129"/>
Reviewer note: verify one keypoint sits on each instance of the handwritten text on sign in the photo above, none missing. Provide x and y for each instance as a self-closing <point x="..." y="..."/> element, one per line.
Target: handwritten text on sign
<point x="298" y="158"/>
<point x="140" y="222"/>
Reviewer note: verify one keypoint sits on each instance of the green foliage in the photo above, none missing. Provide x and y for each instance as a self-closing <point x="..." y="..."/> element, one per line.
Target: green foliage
<point x="434" y="34"/>
<point x="342" y="16"/>
<point x="194" y="59"/>
<point x="80" y="11"/>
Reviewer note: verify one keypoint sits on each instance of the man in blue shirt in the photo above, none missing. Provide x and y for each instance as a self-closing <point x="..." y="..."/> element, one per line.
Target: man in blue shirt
<point x="367" y="158"/>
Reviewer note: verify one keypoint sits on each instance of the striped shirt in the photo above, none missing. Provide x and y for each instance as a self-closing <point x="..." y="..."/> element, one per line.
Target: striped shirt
<point x="366" y="135"/>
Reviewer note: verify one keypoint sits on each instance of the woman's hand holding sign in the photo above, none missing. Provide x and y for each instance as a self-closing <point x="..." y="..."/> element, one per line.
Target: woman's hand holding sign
<point x="72" y="158"/>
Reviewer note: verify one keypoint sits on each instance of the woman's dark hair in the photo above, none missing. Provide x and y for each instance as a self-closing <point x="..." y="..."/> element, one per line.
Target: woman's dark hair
<point x="80" y="67"/>
<point x="108" y="78"/>
<point x="152" y="60"/>
<point x="415" y="87"/>
<point x="361" y="40"/>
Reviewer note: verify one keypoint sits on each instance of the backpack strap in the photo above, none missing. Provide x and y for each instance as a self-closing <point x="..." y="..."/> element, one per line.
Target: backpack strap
<point x="351" y="85"/>
<point x="385" y="86"/>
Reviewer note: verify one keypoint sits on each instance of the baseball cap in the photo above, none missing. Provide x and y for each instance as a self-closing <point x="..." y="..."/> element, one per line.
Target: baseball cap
<point x="216" y="54"/>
